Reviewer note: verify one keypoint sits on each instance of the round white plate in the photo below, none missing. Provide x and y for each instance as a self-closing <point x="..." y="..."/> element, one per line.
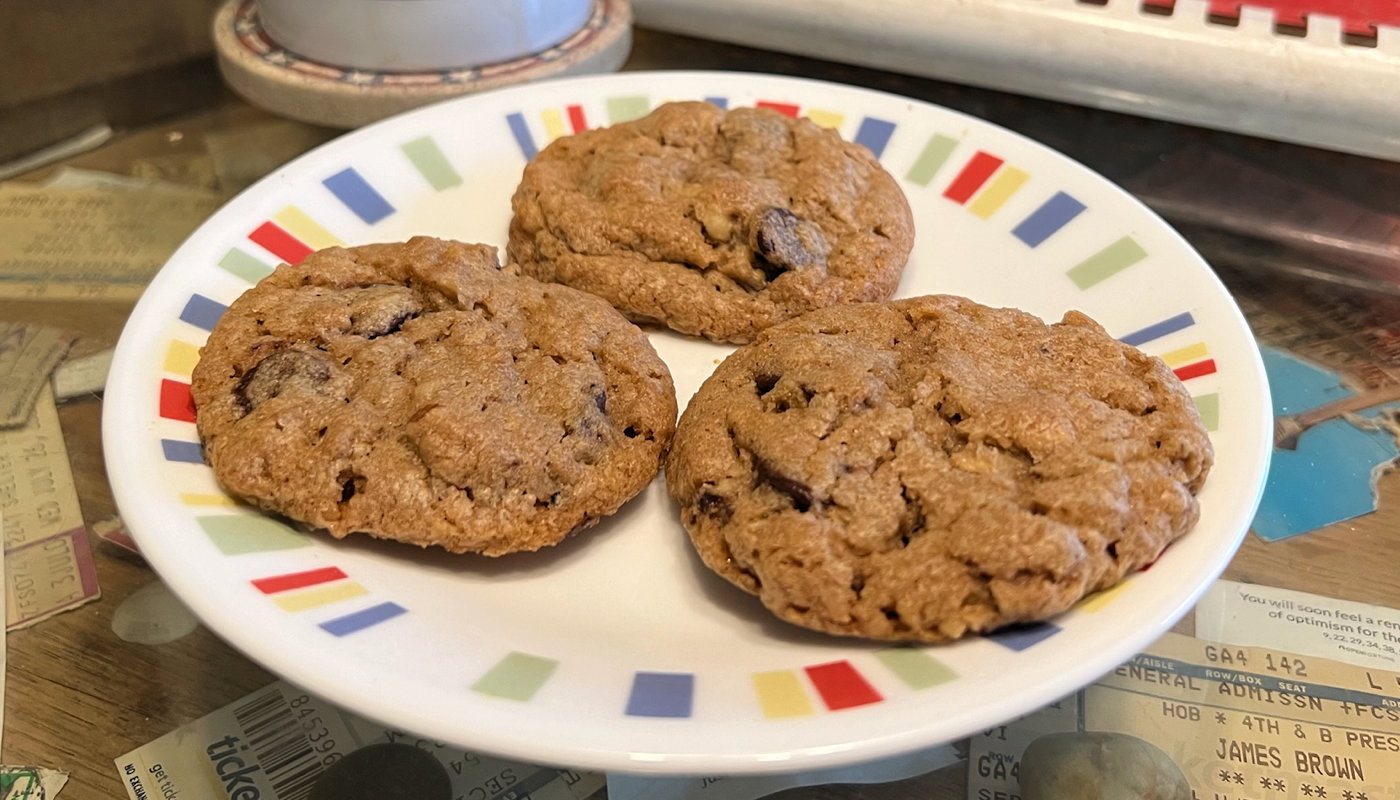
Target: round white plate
<point x="618" y="650"/>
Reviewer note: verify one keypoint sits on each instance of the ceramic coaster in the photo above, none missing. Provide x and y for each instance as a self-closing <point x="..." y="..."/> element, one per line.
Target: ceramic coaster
<point x="285" y="83"/>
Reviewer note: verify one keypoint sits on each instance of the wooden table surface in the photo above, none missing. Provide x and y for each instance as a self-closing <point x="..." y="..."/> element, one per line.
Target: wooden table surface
<point x="78" y="696"/>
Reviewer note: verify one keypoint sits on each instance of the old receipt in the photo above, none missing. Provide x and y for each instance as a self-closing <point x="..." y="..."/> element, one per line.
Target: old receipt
<point x="1243" y="723"/>
<point x="48" y="566"/>
<point x="93" y="243"/>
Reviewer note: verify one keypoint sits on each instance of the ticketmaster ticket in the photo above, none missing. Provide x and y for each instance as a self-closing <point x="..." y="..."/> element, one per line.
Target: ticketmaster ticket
<point x="280" y="743"/>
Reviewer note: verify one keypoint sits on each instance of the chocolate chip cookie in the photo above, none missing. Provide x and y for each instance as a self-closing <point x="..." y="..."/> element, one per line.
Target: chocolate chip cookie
<point x="421" y="392"/>
<point x="931" y="467"/>
<point x="713" y="223"/>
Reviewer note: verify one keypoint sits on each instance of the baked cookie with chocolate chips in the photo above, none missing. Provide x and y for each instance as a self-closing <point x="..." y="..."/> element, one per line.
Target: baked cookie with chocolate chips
<point x="927" y="468"/>
<point x="421" y="392"/>
<point x="714" y="223"/>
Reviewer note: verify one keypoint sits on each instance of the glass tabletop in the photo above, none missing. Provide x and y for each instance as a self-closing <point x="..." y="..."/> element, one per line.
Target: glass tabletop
<point x="1299" y="236"/>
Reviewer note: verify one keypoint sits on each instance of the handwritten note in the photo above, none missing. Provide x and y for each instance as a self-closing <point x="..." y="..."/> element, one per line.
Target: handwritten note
<point x="1243" y="723"/>
<point x="90" y="244"/>
<point x="48" y="564"/>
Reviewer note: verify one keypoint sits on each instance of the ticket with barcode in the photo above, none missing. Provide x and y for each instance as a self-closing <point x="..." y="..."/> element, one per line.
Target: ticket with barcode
<point x="280" y="743"/>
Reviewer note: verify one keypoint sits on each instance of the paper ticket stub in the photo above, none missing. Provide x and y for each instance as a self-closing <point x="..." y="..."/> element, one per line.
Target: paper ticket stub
<point x="1242" y="723"/>
<point x="90" y="244"/>
<point x="276" y="743"/>
<point x="31" y="783"/>
<point x="144" y="179"/>
<point x="3" y="602"/>
<point x="182" y="169"/>
<point x="80" y="376"/>
<point x="48" y="564"/>
<point x="28" y="355"/>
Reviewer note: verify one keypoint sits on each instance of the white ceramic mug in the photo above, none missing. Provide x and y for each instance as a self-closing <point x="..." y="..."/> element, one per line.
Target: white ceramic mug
<point x="420" y="35"/>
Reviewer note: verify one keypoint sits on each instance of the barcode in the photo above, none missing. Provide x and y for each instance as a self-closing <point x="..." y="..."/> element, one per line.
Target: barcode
<point x="271" y="729"/>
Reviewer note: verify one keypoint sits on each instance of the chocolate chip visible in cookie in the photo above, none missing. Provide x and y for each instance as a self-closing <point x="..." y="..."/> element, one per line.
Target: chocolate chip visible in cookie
<point x="713" y="223"/>
<point x="286" y="371"/>
<point x="420" y="392"/>
<point x="931" y="467"/>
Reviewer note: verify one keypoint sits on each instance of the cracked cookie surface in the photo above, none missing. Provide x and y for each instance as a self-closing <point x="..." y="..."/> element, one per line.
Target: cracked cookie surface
<point x="420" y="392"/>
<point x="713" y="223"/>
<point x="927" y="468"/>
